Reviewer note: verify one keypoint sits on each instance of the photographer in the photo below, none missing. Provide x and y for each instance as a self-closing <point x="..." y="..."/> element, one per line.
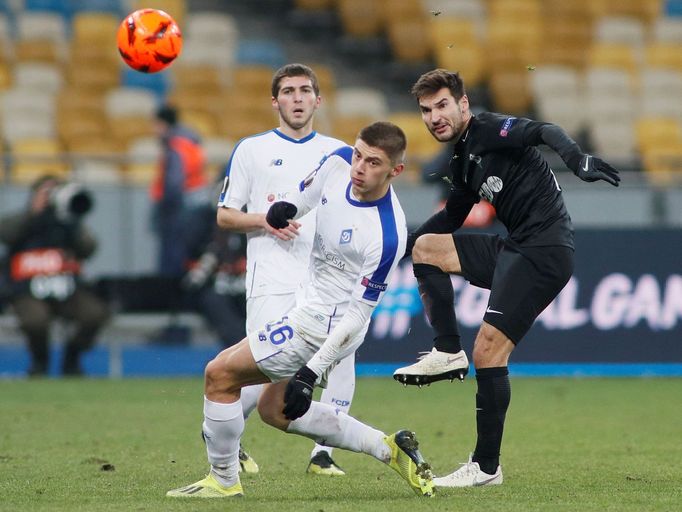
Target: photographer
<point x="46" y="244"/>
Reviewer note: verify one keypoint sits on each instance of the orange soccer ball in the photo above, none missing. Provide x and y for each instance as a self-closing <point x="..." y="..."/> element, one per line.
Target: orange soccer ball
<point x="149" y="40"/>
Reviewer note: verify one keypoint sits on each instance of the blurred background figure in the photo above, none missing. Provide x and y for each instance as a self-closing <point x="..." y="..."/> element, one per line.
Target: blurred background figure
<point x="46" y="244"/>
<point x="179" y="188"/>
<point x="214" y="285"/>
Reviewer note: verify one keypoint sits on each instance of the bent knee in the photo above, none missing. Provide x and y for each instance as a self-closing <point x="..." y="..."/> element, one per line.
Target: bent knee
<point x="218" y="376"/>
<point x="492" y="347"/>
<point x="271" y="413"/>
<point x="423" y="251"/>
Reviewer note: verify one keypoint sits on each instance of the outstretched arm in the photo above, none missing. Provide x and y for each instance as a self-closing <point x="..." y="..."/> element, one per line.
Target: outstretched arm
<point x="586" y="167"/>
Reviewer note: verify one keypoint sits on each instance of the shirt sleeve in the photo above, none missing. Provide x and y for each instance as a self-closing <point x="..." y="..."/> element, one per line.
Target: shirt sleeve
<point x="343" y="339"/>
<point x="237" y="182"/>
<point x="309" y="192"/>
<point x="504" y="132"/>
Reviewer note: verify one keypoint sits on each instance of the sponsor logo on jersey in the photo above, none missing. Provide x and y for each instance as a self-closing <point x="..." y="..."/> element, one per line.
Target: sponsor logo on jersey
<point x="276" y="162"/>
<point x="373" y="285"/>
<point x="324" y="199"/>
<point x="346" y="236"/>
<point x="506" y="126"/>
<point x="491" y="186"/>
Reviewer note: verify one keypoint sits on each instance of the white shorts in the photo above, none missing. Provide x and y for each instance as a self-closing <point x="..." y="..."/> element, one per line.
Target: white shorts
<point x="281" y="347"/>
<point x="267" y="308"/>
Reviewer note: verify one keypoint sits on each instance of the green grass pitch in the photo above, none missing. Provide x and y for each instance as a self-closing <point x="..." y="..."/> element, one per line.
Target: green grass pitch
<point x="583" y="445"/>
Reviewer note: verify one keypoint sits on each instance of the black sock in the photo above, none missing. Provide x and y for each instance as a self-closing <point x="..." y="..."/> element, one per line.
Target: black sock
<point x="438" y="297"/>
<point x="492" y="401"/>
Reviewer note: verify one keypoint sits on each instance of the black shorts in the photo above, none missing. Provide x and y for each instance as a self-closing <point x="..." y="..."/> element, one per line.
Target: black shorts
<point x="522" y="280"/>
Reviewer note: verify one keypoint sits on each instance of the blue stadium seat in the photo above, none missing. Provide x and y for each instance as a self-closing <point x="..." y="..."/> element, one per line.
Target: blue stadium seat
<point x="56" y="6"/>
<point x="155" y="82"/>
<point x="260" y="51"/>
<point x="109" y="6"/>
<point x="673" y="8"/>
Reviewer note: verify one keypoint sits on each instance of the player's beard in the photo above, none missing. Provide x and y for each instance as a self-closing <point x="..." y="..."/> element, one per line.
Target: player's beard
<point x="296" y="124"/>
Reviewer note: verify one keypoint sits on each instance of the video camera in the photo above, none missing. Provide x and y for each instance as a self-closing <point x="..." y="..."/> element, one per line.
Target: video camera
<point x="71" y="201"/>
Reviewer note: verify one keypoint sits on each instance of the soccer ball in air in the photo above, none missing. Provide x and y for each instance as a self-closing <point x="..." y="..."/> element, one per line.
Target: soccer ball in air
<point x="149" y="40"/>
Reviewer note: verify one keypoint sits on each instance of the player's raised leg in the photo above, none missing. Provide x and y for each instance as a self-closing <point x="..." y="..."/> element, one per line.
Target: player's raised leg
<point x="435" y="257"/>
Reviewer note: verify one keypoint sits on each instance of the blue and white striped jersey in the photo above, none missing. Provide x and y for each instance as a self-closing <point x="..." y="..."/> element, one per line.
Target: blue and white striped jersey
<point x="356" y="245"/>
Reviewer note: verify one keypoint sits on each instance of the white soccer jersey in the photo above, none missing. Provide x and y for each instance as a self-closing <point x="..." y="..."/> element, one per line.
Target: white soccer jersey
<point x="357" y="244"/>
<point x="261" y="170"/>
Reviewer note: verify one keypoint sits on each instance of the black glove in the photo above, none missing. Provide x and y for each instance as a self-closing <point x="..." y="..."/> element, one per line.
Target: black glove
<point x="592" y="168"/>
<point x="299" y="393"/>
<point x="279" y="214"/>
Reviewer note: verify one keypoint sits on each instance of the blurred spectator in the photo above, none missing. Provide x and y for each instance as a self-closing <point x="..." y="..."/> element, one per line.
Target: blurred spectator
<point x="215" y="282"/>
<point x="46" y="244"/>
<point x="179" y="188"/>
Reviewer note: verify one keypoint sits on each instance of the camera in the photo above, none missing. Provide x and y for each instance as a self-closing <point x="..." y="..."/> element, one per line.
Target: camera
<point x="71" y="201"/>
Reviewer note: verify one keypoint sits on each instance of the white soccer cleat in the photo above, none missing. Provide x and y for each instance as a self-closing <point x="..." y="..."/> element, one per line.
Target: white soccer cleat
<point x="469" y="475"/>
<point x="432" y="367"/>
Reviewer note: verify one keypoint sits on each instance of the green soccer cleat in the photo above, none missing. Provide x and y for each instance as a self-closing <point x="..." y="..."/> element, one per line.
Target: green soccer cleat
<point x="322" y="464"/>
<point x="409" y="463"/>
<point x="246" y="462"/>
<point x="207" y="488"/>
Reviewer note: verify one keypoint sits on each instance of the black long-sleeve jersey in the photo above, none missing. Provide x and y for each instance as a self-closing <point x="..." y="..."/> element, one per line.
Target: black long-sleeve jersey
<point x="496" y="159"/>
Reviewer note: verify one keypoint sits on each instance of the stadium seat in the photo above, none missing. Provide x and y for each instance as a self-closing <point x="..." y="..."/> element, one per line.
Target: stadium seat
<point x="37" y="75"/>
<point x="202" y="122"/>
<point x="658" y="132"/>
<point x="421" y="146"/>
<point x="609" y="55"/>
<point x="661" y="105"/>
<point x="663" y="55"/>
<point x="409" y="40"/>
<point x="253" y="79"/>
<point x="202" y="53"/>
<point x="215" y="27"/>
<point x="608" y="81"/>
<point x="667" y="30"/>
<point x="663" y="166"/>
<point x="94" y="28"/>
<point x="142" y="157"/>
<point x="568" y="111"/>
<point x="554" y="80"/>
<point x="346" y="128"/>
<point x="361" y="101"/>
<point x="88" y="170"/>
<point x="59" y="7"/>
<point x="614" y="141"/>
<point x="117" y="8"/>
<point x="314" y="5"/>
<point x="176" y="8"/>
<point x="456" y="45"/>
<point x="661" y="82"/>
<point x="97" y="77"/>
<point x="361" y="18"/>
<point x="620" y="30"/>
<point x="28" y="103"/>
<point x="218" y="150"/>
<point x="511" y="91"/>
<point x="474" y="10"/>
<point x="6" y="39"/>
<point x="92" y="145"/>
<point x="154" y="82"/>
<point x="130" y="101"/>
<point x="40" y="36"/>
<point x="263" y="52"/>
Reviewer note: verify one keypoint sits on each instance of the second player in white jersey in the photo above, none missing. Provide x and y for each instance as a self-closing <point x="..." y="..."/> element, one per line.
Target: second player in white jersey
<point x="262" y="169"/>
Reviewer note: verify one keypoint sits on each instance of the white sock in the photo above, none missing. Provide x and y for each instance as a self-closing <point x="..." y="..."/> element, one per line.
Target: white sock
<point x="339" y="392"/>
<point x="249" y="398"/>
<point x="330" y="427"/>
<point x="223" y="426"/>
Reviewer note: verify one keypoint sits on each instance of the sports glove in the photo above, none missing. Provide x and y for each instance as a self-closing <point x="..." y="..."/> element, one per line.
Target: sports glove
<point x="299" y="393"/>
<point x="279" y="214"/>
<point x="592" y="168"/>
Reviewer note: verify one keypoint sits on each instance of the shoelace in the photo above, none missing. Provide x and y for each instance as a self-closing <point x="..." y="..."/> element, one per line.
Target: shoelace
<point x="466" y="469"/>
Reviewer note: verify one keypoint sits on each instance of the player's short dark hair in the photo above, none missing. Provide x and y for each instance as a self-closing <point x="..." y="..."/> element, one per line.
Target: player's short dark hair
<point x="294" y="69"/>
<point x="168" y="114"/>
<point x="433" y="81"/>
<point x="386" y="136"/>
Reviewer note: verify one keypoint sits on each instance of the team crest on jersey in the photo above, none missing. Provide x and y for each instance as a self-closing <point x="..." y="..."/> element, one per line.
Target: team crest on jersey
<point x="506" y="126"/>
<point x="346" y="236"/>
<point x="373" y="285"/>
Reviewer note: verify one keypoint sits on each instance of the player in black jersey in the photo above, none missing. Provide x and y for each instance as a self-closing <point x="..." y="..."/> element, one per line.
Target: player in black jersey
<point x="495" y="158"/>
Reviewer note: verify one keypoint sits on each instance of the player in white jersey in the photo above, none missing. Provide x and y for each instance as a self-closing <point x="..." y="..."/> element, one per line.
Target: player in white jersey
<point x="260" y="171"/>
<point x="360" y="235"/>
